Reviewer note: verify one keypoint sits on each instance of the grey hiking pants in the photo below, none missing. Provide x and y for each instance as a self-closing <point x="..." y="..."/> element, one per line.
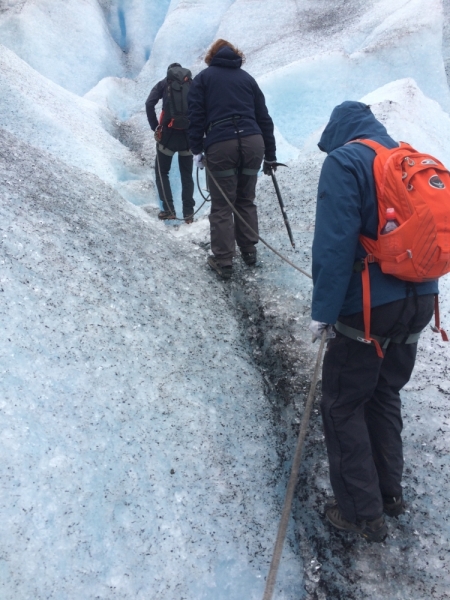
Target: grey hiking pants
<point x="361" y="406"/>
<point x="226" y="229"/>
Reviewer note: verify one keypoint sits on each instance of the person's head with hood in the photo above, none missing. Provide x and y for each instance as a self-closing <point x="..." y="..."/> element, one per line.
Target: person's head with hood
<point x="222" y="47"/>
<point x="350" y="121"/>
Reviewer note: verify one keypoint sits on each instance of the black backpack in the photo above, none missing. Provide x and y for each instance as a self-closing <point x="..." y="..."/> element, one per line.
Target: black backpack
<point x="175" y="107"/>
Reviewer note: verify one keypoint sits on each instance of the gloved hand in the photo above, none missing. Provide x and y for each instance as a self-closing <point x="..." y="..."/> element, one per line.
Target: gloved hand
<point x="269" y="166"/>
<point x="198" y="161"/>
<point x="317" y="328"/>
<point x="157" y="134"/>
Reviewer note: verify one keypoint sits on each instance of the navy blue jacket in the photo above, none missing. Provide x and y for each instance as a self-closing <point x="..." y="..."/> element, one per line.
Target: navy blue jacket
<point x="225" y="90"/>
<point x="347" y="207"/>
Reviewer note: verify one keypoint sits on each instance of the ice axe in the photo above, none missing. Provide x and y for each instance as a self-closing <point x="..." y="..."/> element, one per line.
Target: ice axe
<point x="280" y="200"/>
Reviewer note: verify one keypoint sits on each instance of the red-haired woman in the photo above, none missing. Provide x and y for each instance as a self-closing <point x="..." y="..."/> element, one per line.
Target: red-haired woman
<point x="229" y="121"/>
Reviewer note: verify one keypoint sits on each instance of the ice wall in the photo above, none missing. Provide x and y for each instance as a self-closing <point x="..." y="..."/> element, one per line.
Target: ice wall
<point x="188" y="30"/>
<point x="134" y="26"/>
<point x="446" y="38"/>
<point x="314" y="48"/>
<point x="387" y="43"/>
<point x="67" y="41"/>
<point x="78" y="131"/>
<point x="332" y="51"/>
<point x="410" y="116"/>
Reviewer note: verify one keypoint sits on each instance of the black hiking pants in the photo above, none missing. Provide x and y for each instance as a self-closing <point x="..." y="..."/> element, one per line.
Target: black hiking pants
<point x="226" y="229"/>
<point x="176" y="142"/>
<point x="361" y="407"/>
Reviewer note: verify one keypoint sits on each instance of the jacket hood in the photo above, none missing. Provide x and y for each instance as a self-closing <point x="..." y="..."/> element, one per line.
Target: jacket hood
<point x="226" y="57"/>
<point x="349" y="121"/>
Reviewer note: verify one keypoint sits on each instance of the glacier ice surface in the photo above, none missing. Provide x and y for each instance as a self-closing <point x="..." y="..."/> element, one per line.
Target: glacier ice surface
<point x="142" y="456"/>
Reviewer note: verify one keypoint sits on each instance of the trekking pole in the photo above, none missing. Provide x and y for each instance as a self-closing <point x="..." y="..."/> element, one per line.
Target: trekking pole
<point x="282" y="528"/>
<point x="280" y="200"/>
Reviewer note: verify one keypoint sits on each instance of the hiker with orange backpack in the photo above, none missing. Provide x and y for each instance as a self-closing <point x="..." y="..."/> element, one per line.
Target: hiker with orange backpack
<point x="372" y="318"/>
<point x="171" y="135"/>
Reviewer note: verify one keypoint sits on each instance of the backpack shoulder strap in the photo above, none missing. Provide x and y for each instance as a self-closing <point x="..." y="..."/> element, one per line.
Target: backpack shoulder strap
<point x="379" y="148"/>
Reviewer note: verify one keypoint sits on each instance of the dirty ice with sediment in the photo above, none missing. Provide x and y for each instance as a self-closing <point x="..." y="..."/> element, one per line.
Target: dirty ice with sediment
<point x="148" y="411"/>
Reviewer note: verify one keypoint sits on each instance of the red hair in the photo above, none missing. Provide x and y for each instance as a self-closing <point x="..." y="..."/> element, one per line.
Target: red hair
<point x="216" y="46"/>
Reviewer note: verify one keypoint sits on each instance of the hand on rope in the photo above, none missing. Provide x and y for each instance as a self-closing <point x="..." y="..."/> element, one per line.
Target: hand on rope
<point x="317" y="328"/>
<point x="269" y="166"/>
<point x="198" y="161"/>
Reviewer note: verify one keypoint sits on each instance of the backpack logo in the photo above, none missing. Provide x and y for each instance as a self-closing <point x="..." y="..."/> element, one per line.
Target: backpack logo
<point x="436" y="182"/>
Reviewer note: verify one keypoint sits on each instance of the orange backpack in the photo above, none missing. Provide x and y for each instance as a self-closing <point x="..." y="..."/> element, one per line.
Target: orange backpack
<point x="417" y="186"/>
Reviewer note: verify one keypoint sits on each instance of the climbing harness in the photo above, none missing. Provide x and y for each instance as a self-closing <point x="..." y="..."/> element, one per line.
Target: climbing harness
<point x="174" y="217"/>
<point x="214" y="123"/>
<point x="239" y="169"/>
<point x="251" y="229"/>
<point x="280" y="200"/>
<point x="359" y="336"/>
<point x="282" y="528"/>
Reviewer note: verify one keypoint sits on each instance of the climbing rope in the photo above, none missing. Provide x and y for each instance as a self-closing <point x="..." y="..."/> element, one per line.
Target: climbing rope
<point x="175" y="218"/>
<point x="271" y="578"/>
<point x="252" y="230"/>
<point x="205" y="198"/>
<point x="282" y="528"/>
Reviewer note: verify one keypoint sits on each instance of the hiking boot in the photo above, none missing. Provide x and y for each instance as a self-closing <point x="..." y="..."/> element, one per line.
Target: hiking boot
<point x="188" y="220"/>
<point x="249" y="258"/>
<point x="223" y="271"/>
<point x="393" y="506"/>
<point x="166" y="215"/>
<point x="372" y="531"/>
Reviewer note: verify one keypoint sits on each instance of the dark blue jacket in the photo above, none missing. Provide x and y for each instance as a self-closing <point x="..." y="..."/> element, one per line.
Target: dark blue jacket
<point x="225" y="90"/>
<point x="347" y="207"/>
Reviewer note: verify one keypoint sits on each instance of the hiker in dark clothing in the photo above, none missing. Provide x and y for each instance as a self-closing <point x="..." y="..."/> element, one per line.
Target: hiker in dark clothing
<point x="361" y="407"/>
<point x="170" y="140"/>
<point x="229" y="121"/>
